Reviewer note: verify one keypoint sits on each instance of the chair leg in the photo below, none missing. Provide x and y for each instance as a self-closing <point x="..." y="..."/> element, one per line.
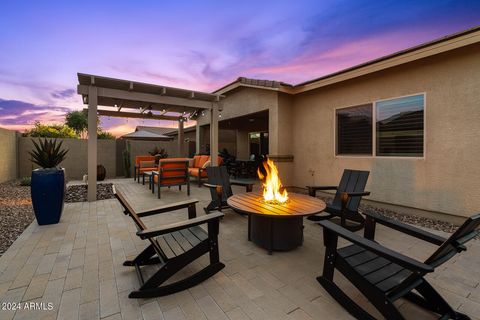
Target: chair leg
<point x="158" y="189"/>
<point x="431" y="300"/>
<point x="142" y="257"/>
<point x="188" y="186"/>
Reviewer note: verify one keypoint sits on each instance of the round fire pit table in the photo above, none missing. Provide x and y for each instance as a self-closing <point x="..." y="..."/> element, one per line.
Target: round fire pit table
<point x="276" y="227"/>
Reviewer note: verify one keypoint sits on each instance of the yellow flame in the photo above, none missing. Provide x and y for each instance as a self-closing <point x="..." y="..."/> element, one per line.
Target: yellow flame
<point x="273" y="191"/>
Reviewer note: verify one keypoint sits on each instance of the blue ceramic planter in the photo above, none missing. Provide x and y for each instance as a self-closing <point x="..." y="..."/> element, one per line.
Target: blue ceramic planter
<point x="48" y="194"/>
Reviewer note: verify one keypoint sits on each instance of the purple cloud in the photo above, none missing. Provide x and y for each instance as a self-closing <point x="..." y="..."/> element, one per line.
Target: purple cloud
<point x="62" y="94"/>
<point x="16" y="112"/>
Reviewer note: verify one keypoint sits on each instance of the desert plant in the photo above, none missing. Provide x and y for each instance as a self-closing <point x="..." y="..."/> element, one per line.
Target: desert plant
<point x="105" y="135"/>
<point x="159" y="153"/>
<point x="26" y="181"/>
<point x="126" y="161"/>
<point x="47" y="153"/>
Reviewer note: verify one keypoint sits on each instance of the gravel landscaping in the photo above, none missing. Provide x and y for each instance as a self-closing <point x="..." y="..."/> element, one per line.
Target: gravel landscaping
<point x="16" y="212"/>
<point x="78" y="193"/>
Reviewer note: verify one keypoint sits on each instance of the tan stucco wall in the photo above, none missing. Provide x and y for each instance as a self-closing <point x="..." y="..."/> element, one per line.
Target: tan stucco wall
<point x="75" y="163"/>
<point x="448" y="179"/>
<point x="8" y="155"/>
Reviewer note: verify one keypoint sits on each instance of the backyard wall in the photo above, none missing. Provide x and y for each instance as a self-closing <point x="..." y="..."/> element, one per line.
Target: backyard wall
<point x="447" y="180"/>
<point x="8" y="155"/>
<point x="75" y="163"/>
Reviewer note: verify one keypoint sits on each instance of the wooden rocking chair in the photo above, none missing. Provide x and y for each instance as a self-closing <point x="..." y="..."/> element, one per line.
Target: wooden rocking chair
<point x="173" y="247"/>
<point x="346" y="201"/>
<point x="384" y="275"/>
<point x="220" y="186"/>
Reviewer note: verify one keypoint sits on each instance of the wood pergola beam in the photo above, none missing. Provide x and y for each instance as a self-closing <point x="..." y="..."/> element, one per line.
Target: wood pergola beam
<point x="146" y="97"/>
<point x="111" y="113"/>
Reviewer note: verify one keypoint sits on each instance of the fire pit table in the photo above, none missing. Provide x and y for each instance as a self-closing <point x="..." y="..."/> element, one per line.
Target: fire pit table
<point x="276" y="227"/>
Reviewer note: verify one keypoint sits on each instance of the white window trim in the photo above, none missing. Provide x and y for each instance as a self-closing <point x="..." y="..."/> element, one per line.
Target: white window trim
<point x="374" y="129"/>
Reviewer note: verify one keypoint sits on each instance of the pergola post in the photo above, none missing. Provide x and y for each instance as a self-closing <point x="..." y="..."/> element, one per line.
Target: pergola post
<point x="181" y="139"/>
<point x="214" y="135"/>
<point x="92" y="143"/>
<point x="197" y="138"/>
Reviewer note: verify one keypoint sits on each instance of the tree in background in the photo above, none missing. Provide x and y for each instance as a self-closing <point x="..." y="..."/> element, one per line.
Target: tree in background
<point x="50" y="131"/>
<point x="78" y="121"/>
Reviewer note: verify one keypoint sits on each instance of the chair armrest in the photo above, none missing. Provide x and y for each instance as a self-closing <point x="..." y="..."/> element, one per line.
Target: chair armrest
<point x="405" y="228"/>
<point x="378" y="249"/>
<point x="213" y="186"/>
<point x="248" y="185"/>
<point x="168" y="207"/>
<point x="172" y="227"/>
<point x="357" y="194"/>
<point x="322" y="188"/>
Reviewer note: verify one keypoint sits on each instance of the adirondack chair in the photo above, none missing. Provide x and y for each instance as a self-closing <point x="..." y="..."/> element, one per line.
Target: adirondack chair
<point x="384" y="275"/>
<point x="173" y="246"/>
<point x="346" y="201"/>
<point x="220" y="186"/>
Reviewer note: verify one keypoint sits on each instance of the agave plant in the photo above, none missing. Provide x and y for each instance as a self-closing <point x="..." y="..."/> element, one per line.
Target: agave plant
<point x="47" y="153"/>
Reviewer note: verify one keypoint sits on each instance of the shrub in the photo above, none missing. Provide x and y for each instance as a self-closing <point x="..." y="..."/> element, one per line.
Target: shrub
<point x="26" y="181"/>
<point x="105" y="135"/>
<point x="50" y="131"/>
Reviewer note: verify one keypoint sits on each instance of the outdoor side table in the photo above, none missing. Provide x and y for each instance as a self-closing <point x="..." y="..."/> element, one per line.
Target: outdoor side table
<point x="276" y="227"/>
<point x="148" y="174"/>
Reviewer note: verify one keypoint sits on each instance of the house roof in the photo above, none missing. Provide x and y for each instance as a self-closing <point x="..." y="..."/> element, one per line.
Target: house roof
<point x="145" y="135"/>
<point x="156" y="130"/>
<point x="444" y="44"/>
<point x="167" y="132"/>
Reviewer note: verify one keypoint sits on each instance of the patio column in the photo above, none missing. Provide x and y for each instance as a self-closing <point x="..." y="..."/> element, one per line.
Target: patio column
<point x="214" y="135"/>
<point x="197" y="138"/>
<point x="181" y="139"/>
<point x="92" y="143"/>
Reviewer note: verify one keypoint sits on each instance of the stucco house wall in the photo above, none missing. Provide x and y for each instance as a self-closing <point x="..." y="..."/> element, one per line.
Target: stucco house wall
<point x="447" y="179"/>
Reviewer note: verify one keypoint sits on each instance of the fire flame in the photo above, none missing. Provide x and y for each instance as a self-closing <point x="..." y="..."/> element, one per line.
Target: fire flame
<point x="273" y="191"/>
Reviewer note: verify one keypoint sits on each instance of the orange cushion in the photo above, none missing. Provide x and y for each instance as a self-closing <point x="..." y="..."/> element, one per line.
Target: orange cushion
<point x="147" y="169"/>
<point x="143" y="158"/>
<point x="219" y="161"/>
<point x="194" y="172"/>
<point x="202" y="161"/>
<point x="179" y="166"/>
<point x="196" y="160"/>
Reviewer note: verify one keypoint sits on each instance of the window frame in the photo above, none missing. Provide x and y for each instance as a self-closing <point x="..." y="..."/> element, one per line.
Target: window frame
<point x="374" y="130"/>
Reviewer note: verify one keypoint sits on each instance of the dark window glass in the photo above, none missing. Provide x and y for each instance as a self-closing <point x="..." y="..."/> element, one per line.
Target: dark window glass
<point x="354" y="130"/>
<point x="400" y="127"/>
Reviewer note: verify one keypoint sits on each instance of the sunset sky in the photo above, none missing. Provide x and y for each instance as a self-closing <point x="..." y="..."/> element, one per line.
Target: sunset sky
<point x="199" y="45"/>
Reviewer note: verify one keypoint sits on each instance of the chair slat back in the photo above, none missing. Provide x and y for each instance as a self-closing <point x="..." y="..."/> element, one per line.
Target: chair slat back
<point x="220" y="176"/>
<point x="352" y="181"/>
<point x="467" y="231"/>
<point x="138" y="222"/>
<point x="173" y="171"/>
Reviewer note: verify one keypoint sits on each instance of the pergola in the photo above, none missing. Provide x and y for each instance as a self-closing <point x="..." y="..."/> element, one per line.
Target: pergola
<point x="130" y="99"/>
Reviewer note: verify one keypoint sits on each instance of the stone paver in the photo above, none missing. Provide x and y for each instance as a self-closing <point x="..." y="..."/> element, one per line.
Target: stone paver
<point x="76" y="266"/>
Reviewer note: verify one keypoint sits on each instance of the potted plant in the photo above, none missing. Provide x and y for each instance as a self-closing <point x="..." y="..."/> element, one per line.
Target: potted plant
<point x="158" y="153"/>
<point x="101" y="172"/>
<point x="48" y="182"/>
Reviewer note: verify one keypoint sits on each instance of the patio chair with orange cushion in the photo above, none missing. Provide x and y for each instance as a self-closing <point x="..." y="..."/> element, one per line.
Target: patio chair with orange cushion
<point x="171" y="173"/>
<point x="198" y="169"/>
<point x="143" y="164"/>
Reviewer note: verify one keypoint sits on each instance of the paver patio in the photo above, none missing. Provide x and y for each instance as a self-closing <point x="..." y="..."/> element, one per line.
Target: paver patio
<point x="77" y="266"/>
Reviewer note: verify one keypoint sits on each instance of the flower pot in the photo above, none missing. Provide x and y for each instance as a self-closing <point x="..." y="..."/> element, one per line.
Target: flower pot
<point x="101" y="172"/>
<point x="48" y="194"/>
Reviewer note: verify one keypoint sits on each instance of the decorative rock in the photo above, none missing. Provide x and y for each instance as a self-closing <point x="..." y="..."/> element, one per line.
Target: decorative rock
<point x="78" y="193"/>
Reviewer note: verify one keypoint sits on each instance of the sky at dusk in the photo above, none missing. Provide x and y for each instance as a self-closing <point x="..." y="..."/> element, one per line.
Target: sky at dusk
<point x="198" y="45"/>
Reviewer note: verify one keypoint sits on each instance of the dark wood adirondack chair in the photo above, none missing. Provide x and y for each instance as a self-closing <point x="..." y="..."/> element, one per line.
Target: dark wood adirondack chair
<point x="346" y="201"/>
<point x="173" y="247"/>
<point x="384" y="275"/>
<point x="220" y="186"/>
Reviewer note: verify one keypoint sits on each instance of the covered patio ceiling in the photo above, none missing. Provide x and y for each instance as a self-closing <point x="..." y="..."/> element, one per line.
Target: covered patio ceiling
<point x="131" y="99"/>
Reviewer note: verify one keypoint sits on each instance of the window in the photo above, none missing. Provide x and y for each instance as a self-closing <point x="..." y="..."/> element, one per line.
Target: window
<point x="398" y="131"/>
<point x="354" y="130"/>
<point x="399" y="127"/>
